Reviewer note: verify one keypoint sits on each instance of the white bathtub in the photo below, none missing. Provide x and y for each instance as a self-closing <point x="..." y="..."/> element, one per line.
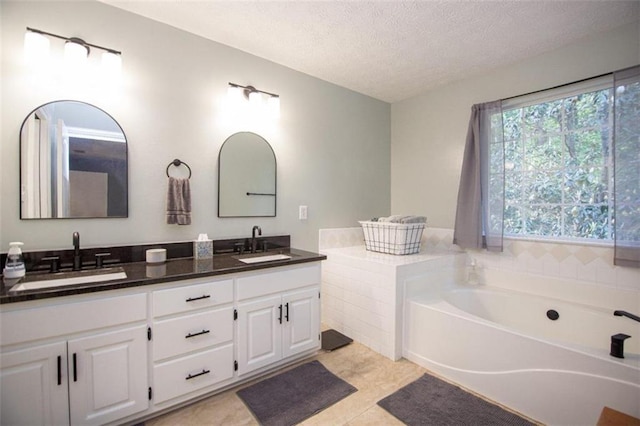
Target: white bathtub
<point x="501" y="344"/>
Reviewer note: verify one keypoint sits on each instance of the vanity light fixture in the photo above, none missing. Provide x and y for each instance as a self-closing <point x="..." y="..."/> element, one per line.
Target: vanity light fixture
<point x="235" y="93"/>
<point x="76" y="50"/>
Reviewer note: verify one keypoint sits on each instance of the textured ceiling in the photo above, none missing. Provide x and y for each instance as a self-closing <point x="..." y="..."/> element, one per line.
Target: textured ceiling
<point x="390" y="50"/>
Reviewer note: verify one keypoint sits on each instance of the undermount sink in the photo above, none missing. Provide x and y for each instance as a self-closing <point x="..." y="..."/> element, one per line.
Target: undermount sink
<point x="263" y="258"/>
<point x="71" y="278"/>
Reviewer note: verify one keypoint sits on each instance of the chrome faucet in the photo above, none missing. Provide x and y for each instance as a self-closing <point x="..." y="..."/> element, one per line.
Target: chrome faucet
<point x="77" y="259"/>
<point x="254" y="243"/>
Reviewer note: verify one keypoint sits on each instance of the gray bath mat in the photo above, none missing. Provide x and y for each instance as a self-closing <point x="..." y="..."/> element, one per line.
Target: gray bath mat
<point x="332" y="340"/>
<point x="291" y="397"/>
<point x="431" y="401"/>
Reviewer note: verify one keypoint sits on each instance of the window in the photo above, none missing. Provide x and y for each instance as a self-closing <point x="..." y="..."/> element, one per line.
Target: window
<point x="558" y="167"/>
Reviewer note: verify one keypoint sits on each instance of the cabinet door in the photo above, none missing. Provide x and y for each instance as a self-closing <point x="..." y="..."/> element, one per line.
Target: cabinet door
<point x="301" y="331"/>
<point x="259" y="333"/>
<point x="33" y="386"/>
<point x="108" y="376"/>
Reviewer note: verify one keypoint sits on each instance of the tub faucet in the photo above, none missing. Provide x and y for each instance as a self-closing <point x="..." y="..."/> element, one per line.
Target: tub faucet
<point x="617" y="345"/>
<point x="254" y="243"/>
<point x="77" y="259"/>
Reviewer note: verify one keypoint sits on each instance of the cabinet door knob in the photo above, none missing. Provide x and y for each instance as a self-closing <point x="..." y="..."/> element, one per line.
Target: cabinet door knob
<point x="189" y="377"/>
<point x="188" y="336"/>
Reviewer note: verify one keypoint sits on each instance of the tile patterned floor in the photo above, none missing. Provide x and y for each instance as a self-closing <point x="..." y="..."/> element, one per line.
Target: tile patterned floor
<point x="374" y="375"/>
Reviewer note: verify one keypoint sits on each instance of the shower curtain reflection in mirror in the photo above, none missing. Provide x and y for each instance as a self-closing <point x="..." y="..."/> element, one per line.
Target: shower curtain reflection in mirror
<point x="73" y="163"/>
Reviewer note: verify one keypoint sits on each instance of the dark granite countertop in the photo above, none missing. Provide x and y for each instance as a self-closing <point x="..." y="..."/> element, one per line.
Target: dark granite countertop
<point x="142" y="273"/>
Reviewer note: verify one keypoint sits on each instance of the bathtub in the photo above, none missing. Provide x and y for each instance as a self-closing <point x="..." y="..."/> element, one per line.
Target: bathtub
<point x="501" y="344"/>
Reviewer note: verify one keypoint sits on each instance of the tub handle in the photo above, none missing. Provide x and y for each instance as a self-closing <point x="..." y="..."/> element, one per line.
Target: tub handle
<point x="626" y="314"/>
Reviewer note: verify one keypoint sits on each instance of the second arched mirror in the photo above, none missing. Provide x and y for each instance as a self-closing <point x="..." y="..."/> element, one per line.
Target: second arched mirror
<point x="246" y="177"/>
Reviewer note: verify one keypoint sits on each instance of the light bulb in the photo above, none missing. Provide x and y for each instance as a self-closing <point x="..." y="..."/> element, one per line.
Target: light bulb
<point x="234" y="96"/>
<point x="75" y="54"/>
<point x="111" y="65"/>
<point x="36" y="48"/>
<point x="255" y="100"/>
<point x="273" y="105"/>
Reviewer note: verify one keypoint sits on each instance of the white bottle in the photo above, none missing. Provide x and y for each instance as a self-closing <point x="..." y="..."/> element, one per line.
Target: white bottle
<point x="14" y="267"/>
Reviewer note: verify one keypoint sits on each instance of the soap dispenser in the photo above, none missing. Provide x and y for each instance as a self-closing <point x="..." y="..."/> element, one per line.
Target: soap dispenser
<point x="14" y="267"/>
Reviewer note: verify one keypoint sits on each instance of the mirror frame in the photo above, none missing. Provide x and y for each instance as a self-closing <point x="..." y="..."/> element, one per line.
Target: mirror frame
<point x="126" y="157"/>
<point x="275" y="177"/>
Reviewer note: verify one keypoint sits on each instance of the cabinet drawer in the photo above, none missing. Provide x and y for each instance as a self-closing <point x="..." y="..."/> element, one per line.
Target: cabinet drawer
<point x="191" y="297"/>
<point x="191" y="373"/>
<point x="192" y="332"/>
<point x="278" y="281"/>
<point x="67" y="317"/>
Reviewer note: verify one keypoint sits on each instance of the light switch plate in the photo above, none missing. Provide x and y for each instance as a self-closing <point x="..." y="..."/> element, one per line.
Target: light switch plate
<point x="302" y="213"/>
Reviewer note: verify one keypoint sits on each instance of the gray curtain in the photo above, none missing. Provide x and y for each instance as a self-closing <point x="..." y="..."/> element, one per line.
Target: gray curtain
<point x="480" y="208"/>
<point x="626" y="143"/>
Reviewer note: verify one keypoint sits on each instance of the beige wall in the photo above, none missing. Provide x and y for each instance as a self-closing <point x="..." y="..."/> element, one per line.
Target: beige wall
<point x="428" y="131"/>
<point x="332" y="145"/>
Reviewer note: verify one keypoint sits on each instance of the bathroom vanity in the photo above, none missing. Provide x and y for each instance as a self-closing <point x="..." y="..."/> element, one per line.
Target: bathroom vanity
<point x="124" y="350"/>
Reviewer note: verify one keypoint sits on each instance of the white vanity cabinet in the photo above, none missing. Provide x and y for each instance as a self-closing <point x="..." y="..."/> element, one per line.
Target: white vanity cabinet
<point x="278" y="316"/>
<point x="121" y="356"/>
<point x="192" y="338"/>
<point x="79" y="363"/>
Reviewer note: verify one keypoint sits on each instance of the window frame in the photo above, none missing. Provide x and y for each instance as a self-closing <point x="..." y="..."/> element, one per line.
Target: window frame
<point x="549" y="96"/>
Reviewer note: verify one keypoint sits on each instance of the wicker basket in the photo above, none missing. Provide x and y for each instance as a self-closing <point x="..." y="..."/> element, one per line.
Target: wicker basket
<point x="392" y="238"/>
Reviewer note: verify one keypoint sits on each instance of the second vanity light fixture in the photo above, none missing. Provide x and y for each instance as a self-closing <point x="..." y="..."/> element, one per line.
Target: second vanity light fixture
<point x="237" y="92"/>
<point x="76" y="51"/>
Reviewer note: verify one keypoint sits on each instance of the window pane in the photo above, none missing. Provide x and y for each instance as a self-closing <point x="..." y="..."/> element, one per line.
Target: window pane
<point x="587" y="222"/>
<point x="512" y="123"/>
<point x="543" y="187"/>
<point x="543" y="152"/>
<point x="586" y="185"/>
<point x="513" y="222"/>
<point x="543" y="220"/>
<point x="543" y="118"/>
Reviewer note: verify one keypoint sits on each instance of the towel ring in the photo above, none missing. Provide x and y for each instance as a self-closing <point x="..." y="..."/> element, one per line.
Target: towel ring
<point x="177" y="163"/>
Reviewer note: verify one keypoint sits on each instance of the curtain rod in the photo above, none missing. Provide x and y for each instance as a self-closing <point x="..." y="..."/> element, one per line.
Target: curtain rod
<point x="558" y="86"/>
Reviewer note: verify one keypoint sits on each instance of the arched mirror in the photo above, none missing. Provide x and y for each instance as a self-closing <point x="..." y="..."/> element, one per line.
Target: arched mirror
<point x="246" y="177"/>
<point x="73" y="163"/>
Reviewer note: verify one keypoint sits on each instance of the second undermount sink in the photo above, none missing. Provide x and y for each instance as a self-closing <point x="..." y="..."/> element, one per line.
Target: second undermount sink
<point x="70" y="278"/>
<point x="263" y="258"/>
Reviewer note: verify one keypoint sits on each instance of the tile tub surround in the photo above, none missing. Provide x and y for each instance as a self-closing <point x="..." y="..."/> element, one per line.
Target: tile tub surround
<point x="588" y="262"/>
<point x="360" y="292"/>
<point x="363" y="291"/>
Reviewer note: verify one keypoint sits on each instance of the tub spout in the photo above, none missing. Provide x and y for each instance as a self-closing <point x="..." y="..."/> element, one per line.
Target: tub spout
<point x="617" y="345"/>
<point x="626" y="314"/>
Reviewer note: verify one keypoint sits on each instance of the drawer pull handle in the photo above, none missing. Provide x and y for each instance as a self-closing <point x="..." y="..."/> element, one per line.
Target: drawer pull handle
<point x="193" y="299"/>
<point x="280" y="314"/>
<point x="189" y="377"/>
<point x="196" y="334"/>
<point x="286" y="315"/>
